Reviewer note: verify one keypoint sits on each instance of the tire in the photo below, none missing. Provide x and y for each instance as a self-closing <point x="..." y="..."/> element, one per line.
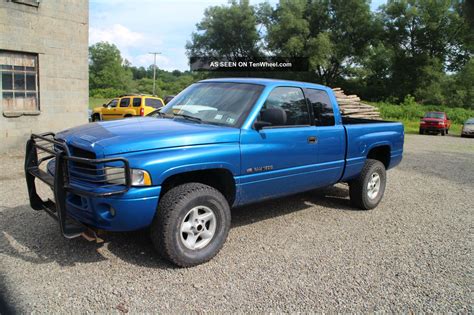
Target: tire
<point x="421" y="131"/>
<point x="361" y="196"/>
<point x="443" y="132"/>
<point x="175" y="212"/>
<point x="95" y="117"/>
<point x="447" y="131"/>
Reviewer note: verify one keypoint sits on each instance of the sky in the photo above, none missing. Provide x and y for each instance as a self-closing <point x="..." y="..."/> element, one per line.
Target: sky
<point x="142" y="26"/>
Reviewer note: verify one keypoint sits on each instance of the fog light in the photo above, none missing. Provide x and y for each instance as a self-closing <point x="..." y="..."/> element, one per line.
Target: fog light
<point x="112" y="211"/>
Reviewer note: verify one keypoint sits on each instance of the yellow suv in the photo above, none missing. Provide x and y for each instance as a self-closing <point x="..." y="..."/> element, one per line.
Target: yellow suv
<point x="127" y="106"/>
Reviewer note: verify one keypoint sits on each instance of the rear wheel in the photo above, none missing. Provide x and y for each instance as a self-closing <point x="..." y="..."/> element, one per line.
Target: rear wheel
<point x="367" y="190"/>
<point x="421" y="131"/>
<point x="191" y="224"/>
<point x="95" y="117"/>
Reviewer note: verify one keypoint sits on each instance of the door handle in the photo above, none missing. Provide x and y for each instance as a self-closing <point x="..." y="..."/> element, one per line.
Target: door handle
<point x="312" y="140"/>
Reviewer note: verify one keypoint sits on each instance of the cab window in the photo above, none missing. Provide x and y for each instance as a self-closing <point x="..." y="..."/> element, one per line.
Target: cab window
<point x="321" y="106"/>
<point x="153" y="102"/>
<point x="125" y="102"/>
<point x="292" y="101"/>
<point x="113" y="103"/>
<point x="137" y="101"/>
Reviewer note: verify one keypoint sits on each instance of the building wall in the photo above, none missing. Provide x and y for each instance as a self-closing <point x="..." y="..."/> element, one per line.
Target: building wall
<point x="56" y="30"/>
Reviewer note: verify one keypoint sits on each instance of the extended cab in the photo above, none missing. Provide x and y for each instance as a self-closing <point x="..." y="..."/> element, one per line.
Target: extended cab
<point x="126" y="107"/>
<point x="219" y="144"/>
<point x="435" y="122"/>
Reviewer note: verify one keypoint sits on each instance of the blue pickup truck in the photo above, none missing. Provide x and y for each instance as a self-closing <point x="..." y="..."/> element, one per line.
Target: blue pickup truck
<point x="220" y="143"/>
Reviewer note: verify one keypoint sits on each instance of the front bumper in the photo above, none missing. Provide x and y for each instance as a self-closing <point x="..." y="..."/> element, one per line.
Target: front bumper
<point x="82" y="196"/>
<point x="433" y="128"/>
<point x="123" y="213"/>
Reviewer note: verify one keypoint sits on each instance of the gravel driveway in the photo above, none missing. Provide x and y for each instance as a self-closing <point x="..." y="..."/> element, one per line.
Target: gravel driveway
<point x="310" y="252"/>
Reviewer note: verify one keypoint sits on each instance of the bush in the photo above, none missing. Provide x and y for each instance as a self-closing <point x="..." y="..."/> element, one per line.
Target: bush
<point x="409" y="110"/>
<point x="106" y="93"/>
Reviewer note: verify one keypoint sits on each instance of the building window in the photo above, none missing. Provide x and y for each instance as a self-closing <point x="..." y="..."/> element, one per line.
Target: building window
<point x="19" y="82"/>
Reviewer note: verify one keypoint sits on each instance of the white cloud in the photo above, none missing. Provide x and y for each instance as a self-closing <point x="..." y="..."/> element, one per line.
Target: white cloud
<point x="162" y="62"/>
<point x="117" y="34"/>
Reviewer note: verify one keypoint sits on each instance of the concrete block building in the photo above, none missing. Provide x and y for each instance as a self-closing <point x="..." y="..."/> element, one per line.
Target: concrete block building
<point x="44" y="80"/>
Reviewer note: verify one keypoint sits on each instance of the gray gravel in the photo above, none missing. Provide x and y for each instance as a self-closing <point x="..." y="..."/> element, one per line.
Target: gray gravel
<point x="309" y="252"/>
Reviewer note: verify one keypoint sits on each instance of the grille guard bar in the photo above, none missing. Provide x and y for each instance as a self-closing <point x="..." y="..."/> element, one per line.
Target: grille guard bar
<point x="43" y="147"/>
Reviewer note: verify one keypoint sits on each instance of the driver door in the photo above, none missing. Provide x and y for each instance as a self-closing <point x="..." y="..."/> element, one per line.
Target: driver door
<point x="279" y="159"/>
<point x="108" y="111"/>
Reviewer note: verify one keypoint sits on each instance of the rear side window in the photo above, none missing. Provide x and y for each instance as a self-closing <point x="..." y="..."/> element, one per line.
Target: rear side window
<point x="152" y="102"/>
<point x="125" y="102"/>
<point x="137" y="101"/>
<point x="321" y="106"/>
<point x="292" y="101"/>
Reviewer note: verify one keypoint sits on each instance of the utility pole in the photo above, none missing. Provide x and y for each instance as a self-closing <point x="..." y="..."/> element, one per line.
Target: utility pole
<point x="154" y="70"/>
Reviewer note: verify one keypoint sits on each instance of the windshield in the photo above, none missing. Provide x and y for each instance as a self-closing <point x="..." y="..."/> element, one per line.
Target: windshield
<point x="470" y="121"/>
<point x="434" y="115"/>
<point x="221" y="103"/>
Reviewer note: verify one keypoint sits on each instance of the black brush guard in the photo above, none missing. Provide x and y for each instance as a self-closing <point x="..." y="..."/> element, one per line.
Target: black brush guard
<point x="43" y="147"/>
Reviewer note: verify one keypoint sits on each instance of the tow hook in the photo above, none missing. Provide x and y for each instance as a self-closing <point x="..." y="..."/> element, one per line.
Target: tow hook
<point x="92" y="235"/>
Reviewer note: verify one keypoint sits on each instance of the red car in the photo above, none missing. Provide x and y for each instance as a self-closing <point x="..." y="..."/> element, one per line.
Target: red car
<point x="435" y="122"/>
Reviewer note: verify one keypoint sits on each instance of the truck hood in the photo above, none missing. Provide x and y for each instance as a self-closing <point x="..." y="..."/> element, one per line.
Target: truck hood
<point x="140" y="134"/>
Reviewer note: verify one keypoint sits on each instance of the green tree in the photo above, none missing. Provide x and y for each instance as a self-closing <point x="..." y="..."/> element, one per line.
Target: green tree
<point x="226" y="31"/>
<point x="334" y="34"/>
<point x="427" y="38"/>
<point x="107" y="69"/>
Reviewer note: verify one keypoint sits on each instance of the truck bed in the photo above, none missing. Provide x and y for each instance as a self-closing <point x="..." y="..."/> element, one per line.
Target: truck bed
<point x="364" y="134"/>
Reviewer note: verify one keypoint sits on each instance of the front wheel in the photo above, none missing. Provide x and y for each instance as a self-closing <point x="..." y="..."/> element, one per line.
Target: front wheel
<point x="367" y="190"/>
<point x="443" y="132"/>
<point x="191" y="224"/>
<point x="95" y="117"/>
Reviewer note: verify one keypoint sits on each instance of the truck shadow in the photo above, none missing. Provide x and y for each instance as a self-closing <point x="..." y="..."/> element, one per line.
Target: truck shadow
<point x="34" y="237"/>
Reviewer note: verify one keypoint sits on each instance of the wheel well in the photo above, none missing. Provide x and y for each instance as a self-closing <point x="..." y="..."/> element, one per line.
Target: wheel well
<point x="221" y="179"/>
<point x="381" y="153"/>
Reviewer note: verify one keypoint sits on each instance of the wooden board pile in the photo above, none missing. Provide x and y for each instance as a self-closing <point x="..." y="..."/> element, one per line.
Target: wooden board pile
<point x="351" y="106"/>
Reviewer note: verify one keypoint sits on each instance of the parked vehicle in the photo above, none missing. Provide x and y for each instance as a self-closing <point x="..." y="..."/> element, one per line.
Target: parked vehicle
<point x="435" y="122"/>
<point x="127" y="106"/>
<point x="220" y="143"/>
<point x="468" y="128"/>
<point x="168" y="98"/>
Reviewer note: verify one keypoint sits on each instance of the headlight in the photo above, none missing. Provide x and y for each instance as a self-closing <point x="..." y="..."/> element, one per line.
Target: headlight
<point x="440" y="123"/>
<point x="140" y="178"/>
<point x="116" y="175"/>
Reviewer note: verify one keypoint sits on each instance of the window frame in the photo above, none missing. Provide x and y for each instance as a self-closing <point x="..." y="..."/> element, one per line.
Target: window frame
<point x="25" y="73"/>
<point x="154" y="99"/>
<point x="116" y="102"/>
<point x="311" y="109"/>
<point x="123" y="99"/>
<point x="310" y="116"/>
<point x="137" y="98"/>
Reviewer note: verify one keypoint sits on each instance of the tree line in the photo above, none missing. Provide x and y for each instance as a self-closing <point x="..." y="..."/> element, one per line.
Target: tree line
<point x="418" y="48"/>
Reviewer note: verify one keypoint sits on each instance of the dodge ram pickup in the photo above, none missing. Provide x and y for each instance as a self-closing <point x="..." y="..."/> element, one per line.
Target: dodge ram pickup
<point x="220" y="143"/>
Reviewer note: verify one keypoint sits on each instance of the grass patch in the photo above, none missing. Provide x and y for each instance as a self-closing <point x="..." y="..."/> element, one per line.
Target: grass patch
<point x="413" y="126"/>
<point x="96" y="102"/>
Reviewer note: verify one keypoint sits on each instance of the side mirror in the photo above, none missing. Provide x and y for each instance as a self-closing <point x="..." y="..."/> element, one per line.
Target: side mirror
<point x="274" y="115"/>
<point x="104" y="105"/>
<point x="259" y="125"/>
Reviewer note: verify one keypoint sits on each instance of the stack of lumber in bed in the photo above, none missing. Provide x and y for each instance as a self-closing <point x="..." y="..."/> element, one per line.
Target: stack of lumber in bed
<point x="351" y="106"/>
